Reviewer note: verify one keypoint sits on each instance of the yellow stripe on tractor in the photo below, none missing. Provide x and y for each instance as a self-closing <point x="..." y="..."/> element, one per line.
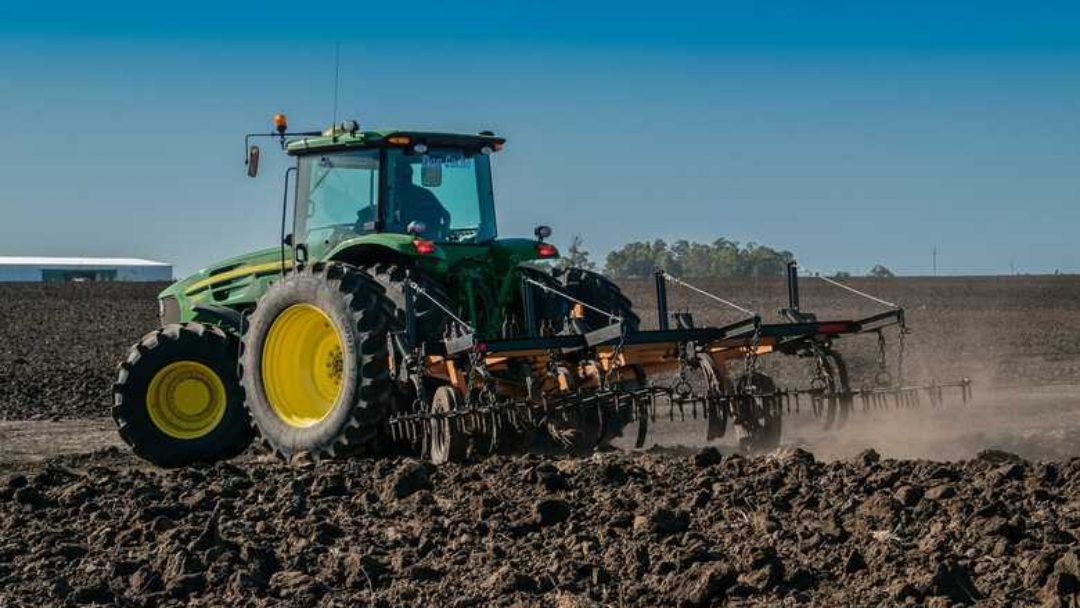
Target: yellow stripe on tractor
<point x="236" y="273"/>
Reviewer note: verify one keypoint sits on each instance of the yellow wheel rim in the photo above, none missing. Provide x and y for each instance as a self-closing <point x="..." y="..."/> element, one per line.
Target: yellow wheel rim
<point x="186" y="400"/>
<point x="302" y="365"/>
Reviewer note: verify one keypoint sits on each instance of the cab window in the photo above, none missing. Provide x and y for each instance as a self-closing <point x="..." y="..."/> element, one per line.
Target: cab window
<point x="337" y="197"/>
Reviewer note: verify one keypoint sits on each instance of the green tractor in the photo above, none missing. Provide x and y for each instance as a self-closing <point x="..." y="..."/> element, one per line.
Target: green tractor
<point x="309" y="345"/>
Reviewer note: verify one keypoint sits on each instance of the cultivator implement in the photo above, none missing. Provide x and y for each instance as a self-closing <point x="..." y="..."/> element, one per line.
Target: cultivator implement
<point x="354" y="327"/>
<point x="580" y="389"/>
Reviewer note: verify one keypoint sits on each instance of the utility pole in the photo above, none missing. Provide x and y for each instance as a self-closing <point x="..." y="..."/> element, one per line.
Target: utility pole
<point x="935" y="260"/>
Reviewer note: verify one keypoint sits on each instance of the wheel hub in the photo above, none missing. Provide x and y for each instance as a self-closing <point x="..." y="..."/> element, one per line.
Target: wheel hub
<point x="303" y="365"/>
<point x="186" y="400"/>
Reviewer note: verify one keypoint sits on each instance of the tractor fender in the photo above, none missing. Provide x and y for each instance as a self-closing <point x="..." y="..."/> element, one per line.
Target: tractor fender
<point x="394" y="248"/>
<point x="223" y="316"/>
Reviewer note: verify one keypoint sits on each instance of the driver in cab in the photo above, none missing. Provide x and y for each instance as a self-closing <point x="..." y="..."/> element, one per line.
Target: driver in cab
<point x="415" y="203"/>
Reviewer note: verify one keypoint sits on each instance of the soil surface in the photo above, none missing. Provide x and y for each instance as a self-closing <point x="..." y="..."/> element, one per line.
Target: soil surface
<point x="617" y="529"/>
<point x="957" y="520"/>
<point x="60" y="344"/>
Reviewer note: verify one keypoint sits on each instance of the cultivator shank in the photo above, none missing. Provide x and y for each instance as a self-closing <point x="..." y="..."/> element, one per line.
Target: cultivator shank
<point x="579" y="390"/>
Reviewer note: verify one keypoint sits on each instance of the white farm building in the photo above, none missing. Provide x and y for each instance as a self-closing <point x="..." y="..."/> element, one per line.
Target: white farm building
<point x="35" y="269"/>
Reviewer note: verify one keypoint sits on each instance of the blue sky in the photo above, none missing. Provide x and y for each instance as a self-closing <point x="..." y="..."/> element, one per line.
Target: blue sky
<point x="849" y="133"/>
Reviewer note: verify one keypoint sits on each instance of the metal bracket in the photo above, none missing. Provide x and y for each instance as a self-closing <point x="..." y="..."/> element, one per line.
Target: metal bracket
<point x="460" y="344"/>
<point x="604" y="335"/>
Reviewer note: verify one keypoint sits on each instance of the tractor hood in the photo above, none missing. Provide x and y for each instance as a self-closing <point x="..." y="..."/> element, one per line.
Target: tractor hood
<point x="234" y="282"/>
<point x="262" y="262"/>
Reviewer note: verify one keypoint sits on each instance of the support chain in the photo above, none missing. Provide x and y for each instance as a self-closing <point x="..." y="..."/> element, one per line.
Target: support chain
<point x="751" y="359"/>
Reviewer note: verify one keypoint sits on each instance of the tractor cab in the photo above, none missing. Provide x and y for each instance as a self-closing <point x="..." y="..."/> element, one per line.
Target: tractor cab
<point x="434" y="189"/>
<point x="442" y="195"/>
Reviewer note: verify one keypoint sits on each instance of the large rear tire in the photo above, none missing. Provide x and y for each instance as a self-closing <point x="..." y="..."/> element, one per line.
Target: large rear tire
<point x="601" y="292"/>
<point x="430" y="319"/>
<point x="177" y="400"/>
<point x="315" y="362"/>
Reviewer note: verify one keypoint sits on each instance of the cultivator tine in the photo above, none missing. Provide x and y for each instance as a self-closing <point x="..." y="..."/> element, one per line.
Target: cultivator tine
<point x="643" y="425"/>
<point x="492" y="434"/>
<point x="717" y="426"/>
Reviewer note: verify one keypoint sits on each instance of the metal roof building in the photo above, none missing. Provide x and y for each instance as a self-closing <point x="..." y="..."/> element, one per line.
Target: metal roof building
<point x="36" y="269"/>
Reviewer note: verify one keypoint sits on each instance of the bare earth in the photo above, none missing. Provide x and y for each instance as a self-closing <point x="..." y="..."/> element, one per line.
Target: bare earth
<point x="1037" y="422"/>
<point x="940" y="515"/>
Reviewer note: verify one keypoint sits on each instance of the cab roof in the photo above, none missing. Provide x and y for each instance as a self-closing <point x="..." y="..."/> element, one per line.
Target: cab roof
<point x="389" y="138"/>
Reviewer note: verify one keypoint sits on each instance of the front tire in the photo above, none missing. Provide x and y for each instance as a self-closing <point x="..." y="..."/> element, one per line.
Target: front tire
<point x="177" y="400"/>
<point x="315" y="362"/>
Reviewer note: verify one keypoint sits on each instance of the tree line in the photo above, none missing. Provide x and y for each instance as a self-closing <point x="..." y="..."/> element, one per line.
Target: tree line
<point x="721" y="258"/>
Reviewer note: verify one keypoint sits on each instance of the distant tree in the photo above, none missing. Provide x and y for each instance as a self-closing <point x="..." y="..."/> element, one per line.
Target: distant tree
<point x="639" y="260"/>
<point x="880" y="272"/>
<point x="721" y="258"/>
<point x="766" y="261"/>
<point x="576" y="256"/>
<point x="841" y="274"/>
<point x="726" y="258"/>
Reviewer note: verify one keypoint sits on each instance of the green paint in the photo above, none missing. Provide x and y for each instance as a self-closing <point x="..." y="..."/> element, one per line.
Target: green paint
<point x="481" y="276"/>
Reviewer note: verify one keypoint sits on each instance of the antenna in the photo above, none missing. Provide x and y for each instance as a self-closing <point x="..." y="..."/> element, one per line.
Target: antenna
<point x="337" y="70"/>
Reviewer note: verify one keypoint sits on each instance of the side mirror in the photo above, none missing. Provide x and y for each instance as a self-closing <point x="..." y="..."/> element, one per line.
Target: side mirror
<point x="542" y="232"/>
<point x="288" y="240"/>
<point x="416" y="228"/>
<point x="253" y="161"/>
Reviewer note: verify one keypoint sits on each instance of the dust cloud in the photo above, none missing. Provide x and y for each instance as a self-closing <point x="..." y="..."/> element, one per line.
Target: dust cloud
<point x="1035" y="422"/>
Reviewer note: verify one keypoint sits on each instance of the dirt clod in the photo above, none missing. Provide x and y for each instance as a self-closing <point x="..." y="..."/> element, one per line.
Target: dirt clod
<point x="551" y="511"/>
<point x="769" y="531"/>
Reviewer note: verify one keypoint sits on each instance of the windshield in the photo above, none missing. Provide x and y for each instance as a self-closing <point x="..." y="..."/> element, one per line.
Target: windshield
<point x="446" y="189"/>
<point x="337" y="197"/>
